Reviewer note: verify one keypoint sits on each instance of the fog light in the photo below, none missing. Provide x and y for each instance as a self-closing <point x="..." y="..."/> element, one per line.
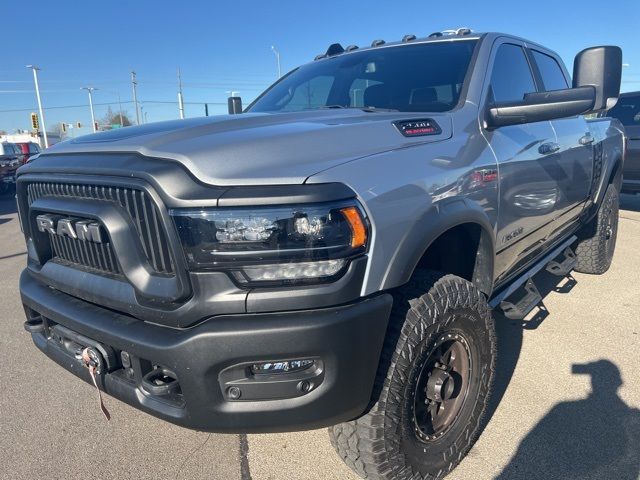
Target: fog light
<point x="281" y="367"/>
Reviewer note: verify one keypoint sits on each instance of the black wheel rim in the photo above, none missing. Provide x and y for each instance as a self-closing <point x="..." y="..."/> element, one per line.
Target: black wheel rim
<point x="611" y="228"/>
<point x="442" y="386"/>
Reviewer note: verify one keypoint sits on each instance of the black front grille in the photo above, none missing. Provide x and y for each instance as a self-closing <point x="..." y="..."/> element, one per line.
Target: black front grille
<point x="98" y="256"/>
<point x="136" y="203"/>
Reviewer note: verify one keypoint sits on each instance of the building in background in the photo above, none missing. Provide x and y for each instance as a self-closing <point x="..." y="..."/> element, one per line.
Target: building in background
<point x="25" y="136"/>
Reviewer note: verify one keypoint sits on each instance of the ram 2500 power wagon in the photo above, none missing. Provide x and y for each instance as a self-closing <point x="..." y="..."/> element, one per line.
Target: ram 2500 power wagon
<point x="332" y="255"/>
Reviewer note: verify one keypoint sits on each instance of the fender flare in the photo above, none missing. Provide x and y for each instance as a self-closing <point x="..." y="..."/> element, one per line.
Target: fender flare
<point x="436" y="221"/>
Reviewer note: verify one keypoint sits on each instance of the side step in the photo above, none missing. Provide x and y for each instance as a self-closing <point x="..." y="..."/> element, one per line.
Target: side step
<point x="517" y="310"/>
<point x="563" y="267"/>
<point x="520" y="309"/>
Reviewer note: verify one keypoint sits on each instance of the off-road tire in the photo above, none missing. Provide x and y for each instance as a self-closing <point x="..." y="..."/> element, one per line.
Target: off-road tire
<point x="384" y="443"/>
<point x="597" y="241"/>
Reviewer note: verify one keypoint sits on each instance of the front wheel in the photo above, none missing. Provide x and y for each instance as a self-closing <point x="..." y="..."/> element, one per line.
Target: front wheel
<point x="433" y="385"/>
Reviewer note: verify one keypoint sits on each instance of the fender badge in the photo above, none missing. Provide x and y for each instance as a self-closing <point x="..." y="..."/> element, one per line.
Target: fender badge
<point x="418" y="128"/>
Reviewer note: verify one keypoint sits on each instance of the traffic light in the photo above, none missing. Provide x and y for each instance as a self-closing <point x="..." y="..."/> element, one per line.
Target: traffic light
<point x="35" y="124"/>
<point x="63" y="127"/>
<point x="95" y="126"/>
<point x="78" y="125"/>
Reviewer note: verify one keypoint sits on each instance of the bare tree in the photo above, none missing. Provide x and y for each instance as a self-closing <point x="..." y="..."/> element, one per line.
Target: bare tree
<point x="114" y="118"/>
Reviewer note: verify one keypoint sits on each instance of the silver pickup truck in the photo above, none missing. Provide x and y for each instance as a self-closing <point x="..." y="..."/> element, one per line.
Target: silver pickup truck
<point x="332" y="255"/>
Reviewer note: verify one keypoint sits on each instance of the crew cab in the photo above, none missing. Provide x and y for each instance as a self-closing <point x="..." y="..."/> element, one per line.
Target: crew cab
<point x="331" y="256"/>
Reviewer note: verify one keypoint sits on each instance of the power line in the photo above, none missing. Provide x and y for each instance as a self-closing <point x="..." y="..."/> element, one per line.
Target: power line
<point x="104" y="104"/>
<point x="61" y="106"/>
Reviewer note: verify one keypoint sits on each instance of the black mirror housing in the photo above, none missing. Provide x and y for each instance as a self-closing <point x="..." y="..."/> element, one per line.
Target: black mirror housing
<point x="541" y="106"/>
<point x="235" y="105"/>
<point x="601" y="68"/>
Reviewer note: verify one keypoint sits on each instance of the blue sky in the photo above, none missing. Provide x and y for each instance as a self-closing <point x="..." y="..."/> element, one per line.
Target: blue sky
<point x="222" y="46"/>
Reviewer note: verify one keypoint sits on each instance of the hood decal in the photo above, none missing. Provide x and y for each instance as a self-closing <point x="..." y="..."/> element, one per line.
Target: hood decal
<point x="418" y="128"/>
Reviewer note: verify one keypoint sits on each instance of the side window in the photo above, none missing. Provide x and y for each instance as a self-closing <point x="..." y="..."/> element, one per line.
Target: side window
<point x="550" y="71"/>
<point x="627" y="110"/>
<point x="310" y="94"/>
<point x="511" y="78"/>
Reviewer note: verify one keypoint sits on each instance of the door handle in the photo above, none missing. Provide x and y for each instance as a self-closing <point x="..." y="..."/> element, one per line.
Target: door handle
<point x="586" y="139"/>
<point x="548" y="148"/>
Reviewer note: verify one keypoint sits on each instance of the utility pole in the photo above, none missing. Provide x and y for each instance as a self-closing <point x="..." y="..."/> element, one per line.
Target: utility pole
<point x="180" y="98"/>
<point x="93" y="117"/>
<point x="120" y="107"/>
<point x="43" y="125"/>
<point x="277" y="54"/>
<point x="134" y="83"/>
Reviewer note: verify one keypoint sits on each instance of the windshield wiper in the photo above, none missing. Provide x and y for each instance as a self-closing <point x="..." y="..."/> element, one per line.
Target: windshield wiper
<point x="378" y="109"/>
<point x="364" y="109"/>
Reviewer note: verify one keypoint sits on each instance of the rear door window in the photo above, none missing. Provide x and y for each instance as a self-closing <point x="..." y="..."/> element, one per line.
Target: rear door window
<point x="550" y="71"/>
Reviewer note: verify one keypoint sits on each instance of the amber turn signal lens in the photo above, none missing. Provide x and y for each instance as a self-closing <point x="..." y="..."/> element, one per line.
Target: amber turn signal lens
<point x="358" y="229"/>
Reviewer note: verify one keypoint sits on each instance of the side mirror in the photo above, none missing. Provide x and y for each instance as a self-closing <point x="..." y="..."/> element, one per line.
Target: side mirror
<point x="235" y="105"/>
<point x="542" y="106"/>
<point x="600" y="68"/>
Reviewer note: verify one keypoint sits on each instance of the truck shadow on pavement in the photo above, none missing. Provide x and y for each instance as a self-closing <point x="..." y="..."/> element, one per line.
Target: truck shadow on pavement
<point x="597" y="437"/>
<point x="8" y="203"/>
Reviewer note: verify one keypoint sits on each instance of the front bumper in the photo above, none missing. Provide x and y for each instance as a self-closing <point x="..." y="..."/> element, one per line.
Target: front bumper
<point x="213" y="356"/>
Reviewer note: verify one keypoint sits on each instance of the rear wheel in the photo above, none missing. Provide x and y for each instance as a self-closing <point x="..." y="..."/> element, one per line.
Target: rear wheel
<point x="433" y="385"/>
<point x="598" y="239"/>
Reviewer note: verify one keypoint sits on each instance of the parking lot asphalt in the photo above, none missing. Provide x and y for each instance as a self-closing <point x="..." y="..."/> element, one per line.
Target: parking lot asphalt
<point x="566" y="402"/>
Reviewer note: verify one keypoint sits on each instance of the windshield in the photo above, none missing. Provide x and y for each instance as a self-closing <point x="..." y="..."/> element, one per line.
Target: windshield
<point x="409" y="78"/>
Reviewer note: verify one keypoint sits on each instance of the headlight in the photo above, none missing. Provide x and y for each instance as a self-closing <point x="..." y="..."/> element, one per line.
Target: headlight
<point x="284" y="244"/>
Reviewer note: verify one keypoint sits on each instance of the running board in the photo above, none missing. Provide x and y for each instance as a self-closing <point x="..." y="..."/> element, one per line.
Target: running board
<point x="562" y="268"/>
<point x="520" y="309"/>
<point x="531" y="298"/>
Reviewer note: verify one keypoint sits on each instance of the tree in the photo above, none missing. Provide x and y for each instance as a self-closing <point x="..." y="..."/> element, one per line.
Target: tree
<point x="112" y="118"/>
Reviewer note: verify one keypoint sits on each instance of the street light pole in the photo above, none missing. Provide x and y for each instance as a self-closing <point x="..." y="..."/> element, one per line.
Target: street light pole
<point x="180" y="97"/>
<point x="43" y="125"/>
<point x="134" y="83"/>
<point x="277" y="54"/>
<point x="93" y="117"/>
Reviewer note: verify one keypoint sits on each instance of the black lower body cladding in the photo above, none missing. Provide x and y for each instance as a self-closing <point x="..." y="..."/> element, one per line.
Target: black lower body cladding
<point x="210" y="362"/>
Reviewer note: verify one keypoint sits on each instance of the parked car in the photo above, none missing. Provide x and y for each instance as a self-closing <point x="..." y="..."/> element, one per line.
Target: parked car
<point x="627" y="110"/>
<point x="29" y="149"/>
<point x="11" y="158"/>
<point x="331" y="256"/>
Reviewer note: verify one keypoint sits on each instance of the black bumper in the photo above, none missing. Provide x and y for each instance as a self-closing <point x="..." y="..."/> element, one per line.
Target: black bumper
<point x="209" y="359"/>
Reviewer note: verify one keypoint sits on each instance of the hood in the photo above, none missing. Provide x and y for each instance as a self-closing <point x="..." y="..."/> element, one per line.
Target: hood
<point x="259" y="148"/>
